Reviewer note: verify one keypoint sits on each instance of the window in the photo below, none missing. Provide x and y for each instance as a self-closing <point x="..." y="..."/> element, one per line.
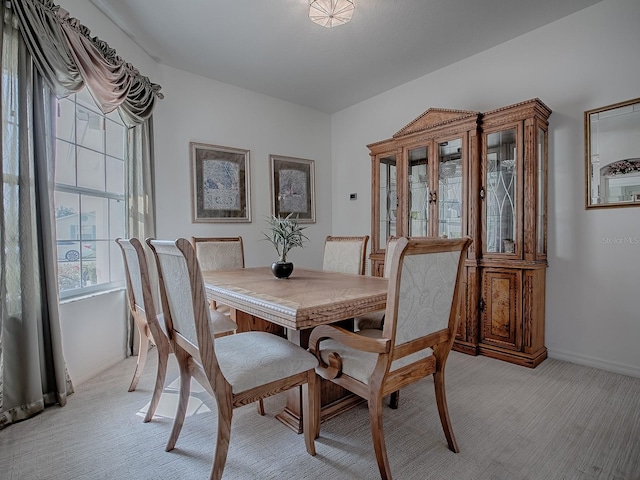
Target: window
<point x="89" y="196"/>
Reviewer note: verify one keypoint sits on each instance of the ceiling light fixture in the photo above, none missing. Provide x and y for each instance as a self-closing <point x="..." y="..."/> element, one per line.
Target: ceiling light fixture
<point x="331" y="13"/>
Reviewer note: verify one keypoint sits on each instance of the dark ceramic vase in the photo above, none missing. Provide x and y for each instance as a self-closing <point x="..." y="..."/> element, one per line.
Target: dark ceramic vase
<point x="282" y="269"/>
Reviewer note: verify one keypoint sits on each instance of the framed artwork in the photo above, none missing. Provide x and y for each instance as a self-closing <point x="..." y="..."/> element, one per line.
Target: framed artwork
<point x="220" y="184"/>
<point x="292" y="188"/>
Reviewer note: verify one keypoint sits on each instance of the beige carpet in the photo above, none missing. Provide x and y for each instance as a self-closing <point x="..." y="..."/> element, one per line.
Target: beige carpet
<point x="558" y="421"/>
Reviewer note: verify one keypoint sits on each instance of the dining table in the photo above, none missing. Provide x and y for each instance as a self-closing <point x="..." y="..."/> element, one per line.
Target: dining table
<point x="293" y="307"/>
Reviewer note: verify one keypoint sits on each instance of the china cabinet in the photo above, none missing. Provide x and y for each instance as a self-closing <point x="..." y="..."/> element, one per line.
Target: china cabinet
<point x="421" y="179"/>
<point x="451" y="173"/>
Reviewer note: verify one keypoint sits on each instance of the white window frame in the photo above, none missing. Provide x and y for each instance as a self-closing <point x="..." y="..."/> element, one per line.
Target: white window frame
<point x="108" y="257"/>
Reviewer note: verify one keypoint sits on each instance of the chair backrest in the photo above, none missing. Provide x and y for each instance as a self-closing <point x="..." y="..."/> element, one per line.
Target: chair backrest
<point x="388" y="255"/>
<point x="139" y="293"/>
<point x="423" y="296"/>
<point x="219" y="253"/>
<point x="183" y="296"/>
<point x="345" y="254"/>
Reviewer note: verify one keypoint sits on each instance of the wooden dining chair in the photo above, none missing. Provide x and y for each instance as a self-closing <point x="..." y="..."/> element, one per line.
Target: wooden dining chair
<point x="143" y="311"/>
<point x="345" y="254"/>
<point x="219" y="253"/>
<point x="150" y="325"/>
<point x="418" y="332"/>
<point x="236" y="369"/>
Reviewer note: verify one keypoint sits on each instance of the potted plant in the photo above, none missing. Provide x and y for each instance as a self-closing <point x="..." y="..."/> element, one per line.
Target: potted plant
<point x="284" y="234"/>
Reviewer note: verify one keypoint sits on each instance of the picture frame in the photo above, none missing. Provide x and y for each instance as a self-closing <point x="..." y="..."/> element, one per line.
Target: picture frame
<point x="220" y="184"/>
<point x="293" y="188"/>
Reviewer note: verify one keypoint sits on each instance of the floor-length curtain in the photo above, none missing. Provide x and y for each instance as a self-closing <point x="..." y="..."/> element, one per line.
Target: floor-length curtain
<point x="32" y="367"/>
<point x="140" y="180"/>
<point x="141" y="206"/>
<point x="47" y="52"/>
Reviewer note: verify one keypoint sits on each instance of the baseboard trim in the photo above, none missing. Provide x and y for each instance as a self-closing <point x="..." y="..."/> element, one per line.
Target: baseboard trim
<point x="76" y="381"/>
<point x="588" y="361"/>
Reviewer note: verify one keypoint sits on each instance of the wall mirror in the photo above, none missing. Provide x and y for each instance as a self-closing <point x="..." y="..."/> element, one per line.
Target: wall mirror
<point x="612" y="141"/>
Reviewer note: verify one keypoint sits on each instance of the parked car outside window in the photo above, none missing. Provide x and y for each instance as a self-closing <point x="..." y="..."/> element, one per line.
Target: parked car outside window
<point x="70" y="251"/>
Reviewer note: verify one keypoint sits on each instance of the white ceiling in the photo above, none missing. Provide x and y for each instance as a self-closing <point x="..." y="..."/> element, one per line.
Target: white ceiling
<point x="271" y="46"/>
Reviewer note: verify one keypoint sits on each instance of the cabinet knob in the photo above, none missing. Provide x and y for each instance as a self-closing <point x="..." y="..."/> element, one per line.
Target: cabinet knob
<point x="482" y="193"/>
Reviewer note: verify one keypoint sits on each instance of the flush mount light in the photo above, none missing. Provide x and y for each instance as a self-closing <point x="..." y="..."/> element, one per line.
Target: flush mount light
<point x="331" y="13"/>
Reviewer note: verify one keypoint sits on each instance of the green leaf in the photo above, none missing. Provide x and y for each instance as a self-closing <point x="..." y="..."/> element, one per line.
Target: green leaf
<point x="285" y="234"/>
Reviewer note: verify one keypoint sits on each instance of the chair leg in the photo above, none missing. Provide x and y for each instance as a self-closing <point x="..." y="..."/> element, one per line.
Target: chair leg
<point x="310" y="412"/>
<point x="183" y="399"/>
<point x="225" y="414"/>
<point x="394" y="400"/>
<point x="143" y="348"/>
<point x="318" y="406"/>
<point x="260" y="405"/>
<point x="377" y="432"/>
<point x="163" y="360"/>
<point x="443" y="410"/>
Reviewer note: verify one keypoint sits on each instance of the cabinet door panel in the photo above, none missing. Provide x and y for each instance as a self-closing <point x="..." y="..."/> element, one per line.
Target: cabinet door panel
<point x="418" y="204"/>
<point x="450" y="189"/>
<point x="501" y="313"/>
<point x="503" y="192"/>
<point x="388" y="198"/>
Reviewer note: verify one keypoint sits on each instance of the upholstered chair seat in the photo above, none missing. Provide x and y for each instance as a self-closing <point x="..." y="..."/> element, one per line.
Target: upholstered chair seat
<point x="369" y="321"/>
<point x="221" y="325"/>
<point x="252" y="359"/>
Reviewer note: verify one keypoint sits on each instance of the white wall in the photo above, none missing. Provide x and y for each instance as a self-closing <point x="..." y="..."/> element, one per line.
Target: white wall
<point x="201" y="110"/>
<point x="94" y="334"/>
<point x="581" y="62"/>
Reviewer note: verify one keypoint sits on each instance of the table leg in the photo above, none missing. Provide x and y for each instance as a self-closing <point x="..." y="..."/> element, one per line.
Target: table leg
<point x="247" y="323"/>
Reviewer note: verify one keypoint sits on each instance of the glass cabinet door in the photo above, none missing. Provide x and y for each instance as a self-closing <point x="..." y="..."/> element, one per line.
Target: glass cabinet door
<point x="388" y="198"/>
<point x="419" y="193"/>
<point x="450" y="189"/>
<point x="500" y="192"/>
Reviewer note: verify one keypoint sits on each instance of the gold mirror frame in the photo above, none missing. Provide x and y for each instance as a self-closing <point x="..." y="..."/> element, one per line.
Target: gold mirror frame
<point x="612" y="155"/>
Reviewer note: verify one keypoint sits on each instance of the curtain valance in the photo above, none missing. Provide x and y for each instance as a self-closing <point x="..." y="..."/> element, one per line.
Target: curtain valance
<point x="68" y="58"/>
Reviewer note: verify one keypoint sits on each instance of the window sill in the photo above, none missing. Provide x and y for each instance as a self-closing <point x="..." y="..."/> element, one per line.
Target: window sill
<point x="86" y="296"/>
